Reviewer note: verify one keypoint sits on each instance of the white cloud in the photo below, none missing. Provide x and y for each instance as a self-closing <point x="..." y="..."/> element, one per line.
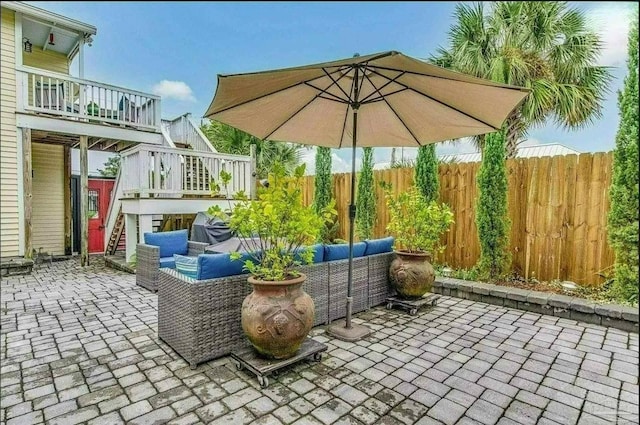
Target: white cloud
<point x="612" y="21"/>
<point x="178" y="90"/>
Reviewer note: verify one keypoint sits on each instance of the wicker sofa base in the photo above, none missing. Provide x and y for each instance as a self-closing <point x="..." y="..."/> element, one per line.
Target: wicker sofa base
<point x="200" y="319"/>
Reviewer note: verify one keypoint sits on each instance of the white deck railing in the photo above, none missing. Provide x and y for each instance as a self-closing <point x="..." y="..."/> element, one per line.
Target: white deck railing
<point x="63" y="95"/>
<point x="184" y="130"/>
<point x="150" y="171"/>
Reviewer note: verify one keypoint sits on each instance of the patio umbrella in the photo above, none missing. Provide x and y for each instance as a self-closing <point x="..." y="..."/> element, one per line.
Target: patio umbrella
<point x="380" y="100"/>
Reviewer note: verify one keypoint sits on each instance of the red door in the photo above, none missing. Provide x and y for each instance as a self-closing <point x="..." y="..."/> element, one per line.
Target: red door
<point x="99" y="198"/>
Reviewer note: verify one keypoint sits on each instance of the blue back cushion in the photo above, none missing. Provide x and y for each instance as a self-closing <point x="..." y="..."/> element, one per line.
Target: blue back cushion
<point x="188" y="266"/>
<point x="211" y="266"/>
<point x="379" y="246"/>
<point x="167" y="262"/>
<point x="318" y="253"/>
<point x="175" y="242"/>
<point x="341" y="251"/>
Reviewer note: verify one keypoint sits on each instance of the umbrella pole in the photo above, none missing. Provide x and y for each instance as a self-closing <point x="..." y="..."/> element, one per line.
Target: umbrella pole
<point x="347" y="331"/>
<point x="352" y="219"/>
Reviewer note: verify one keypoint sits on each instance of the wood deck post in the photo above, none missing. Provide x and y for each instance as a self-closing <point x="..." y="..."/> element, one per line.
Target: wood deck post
<point x="145" y="225"/>
<point x="67" y="200"/>
<point x="131" y="236"/>
<point x="84" y="201"/>
<point x="27" y="176"/>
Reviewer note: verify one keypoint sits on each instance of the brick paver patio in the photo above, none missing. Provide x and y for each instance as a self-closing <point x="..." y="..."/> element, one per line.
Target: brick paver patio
<point x="80" y="345"/>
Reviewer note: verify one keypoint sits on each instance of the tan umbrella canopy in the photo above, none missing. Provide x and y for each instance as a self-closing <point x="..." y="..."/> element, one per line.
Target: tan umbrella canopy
<point x="402" y="102"/>
<point x="380" y="100"/>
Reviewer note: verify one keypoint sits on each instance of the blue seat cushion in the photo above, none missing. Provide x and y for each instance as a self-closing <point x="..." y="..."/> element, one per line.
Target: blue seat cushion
<point x="341" y="251"/>
<point x="188" y="266"/>
<point x="211" y="266"/>
<point x="379" y="246"/>
<point x="318" y="253"/>
<point x="175" y="242"/>
<point x="167" y="262"/>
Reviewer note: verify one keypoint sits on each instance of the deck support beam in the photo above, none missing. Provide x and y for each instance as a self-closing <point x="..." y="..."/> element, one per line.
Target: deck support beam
<point x="67" y="200"/>
<point x="145" y="225"/>
<point x="131" y="236"/>
<point x="84" y="201"/>
<point x="27" y="187"/>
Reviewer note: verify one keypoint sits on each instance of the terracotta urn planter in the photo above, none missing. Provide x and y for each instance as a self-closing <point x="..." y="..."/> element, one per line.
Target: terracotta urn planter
<point x="277" y="316"/>
<point x="411" y="274"/>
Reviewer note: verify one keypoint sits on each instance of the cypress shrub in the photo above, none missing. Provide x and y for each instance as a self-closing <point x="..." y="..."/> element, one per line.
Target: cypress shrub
<point x="491" y="211"/>
<point x="366" y="198"/>
<point x="426" y="173"/>
<point x="623" y="216"/>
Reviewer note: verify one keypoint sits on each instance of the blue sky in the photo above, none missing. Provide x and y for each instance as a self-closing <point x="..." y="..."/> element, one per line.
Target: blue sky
<point x="177" y="49"/>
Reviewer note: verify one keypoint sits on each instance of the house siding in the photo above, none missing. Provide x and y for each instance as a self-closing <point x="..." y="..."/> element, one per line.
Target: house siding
<point x="10" y="217"/>
<point x="48" y="198"/>
<point x="46" y="59"/>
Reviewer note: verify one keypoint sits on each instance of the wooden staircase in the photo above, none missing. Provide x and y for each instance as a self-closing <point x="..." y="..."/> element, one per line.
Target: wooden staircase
<point x="116" y="234"/>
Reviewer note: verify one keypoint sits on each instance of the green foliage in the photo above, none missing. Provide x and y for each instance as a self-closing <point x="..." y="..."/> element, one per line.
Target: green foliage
<point x="322" y="193"/>
<point x="366" y="197"/>
<point x="547" y="47"/>
<point x="416" y="225"/>
<point x="227" y="139"/>
<point x="215" y="188"/>
<point x="491" y="210"/>
<point x="111" y="167"/>
<point x="426" y="173"/>
<point x="623" y="217"/>
<point x="283" y="225"/>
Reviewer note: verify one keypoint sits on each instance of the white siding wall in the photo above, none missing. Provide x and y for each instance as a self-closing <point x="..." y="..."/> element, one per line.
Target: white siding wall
<point x="9" y="218"/>
<point x="48" y="198"/>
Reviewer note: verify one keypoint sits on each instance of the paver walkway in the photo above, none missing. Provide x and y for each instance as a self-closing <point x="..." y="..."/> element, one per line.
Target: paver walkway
<point x="80" y="345"/>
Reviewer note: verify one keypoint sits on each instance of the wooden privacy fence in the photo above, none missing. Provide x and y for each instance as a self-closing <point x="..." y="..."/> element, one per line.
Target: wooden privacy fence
<point x="558" y="208"/>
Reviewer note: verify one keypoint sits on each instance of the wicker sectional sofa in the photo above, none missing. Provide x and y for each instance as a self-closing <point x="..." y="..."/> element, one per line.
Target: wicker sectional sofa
<point x="200" y="319"/>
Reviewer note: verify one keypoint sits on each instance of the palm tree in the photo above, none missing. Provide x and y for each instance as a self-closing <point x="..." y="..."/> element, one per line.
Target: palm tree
<point x="227" y="139"/>
<point x="544" y="46"/>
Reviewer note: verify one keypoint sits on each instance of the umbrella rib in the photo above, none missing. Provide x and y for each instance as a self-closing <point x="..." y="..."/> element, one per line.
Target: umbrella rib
<point x="346" y="115"/>
<point x="324" y="91"/>
<point x="317" y="95"/>
<point x="269" y="94"/>
<point x="344" y="126"/>
<point x="438" y="101"/>
<point x="479" y="82"/>
<point x="336" y="83"/>
<point x="383" y="86"/>
<point x="393" y="110"/>
<point x="378" y="99"/>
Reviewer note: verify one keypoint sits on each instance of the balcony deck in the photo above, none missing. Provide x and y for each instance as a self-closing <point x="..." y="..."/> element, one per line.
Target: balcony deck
<point x="61" y="103"/>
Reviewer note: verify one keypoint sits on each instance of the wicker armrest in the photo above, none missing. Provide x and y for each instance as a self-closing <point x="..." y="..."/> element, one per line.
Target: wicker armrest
<point x="196" y="248"/>
<point x="146" y="252"/>
<point x="147" y="264"/>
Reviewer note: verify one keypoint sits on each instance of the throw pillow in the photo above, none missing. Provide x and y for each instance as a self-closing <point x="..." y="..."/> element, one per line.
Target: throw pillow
<point x="188" y="266"/>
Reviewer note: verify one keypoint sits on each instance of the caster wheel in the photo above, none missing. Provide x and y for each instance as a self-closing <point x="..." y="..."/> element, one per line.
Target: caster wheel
<point x="389" y="306"/>
<point x="263" y="381"/>
<point x="238" y="365"/>
<point x="317" y="357"/>
<point x="413" y="311"/>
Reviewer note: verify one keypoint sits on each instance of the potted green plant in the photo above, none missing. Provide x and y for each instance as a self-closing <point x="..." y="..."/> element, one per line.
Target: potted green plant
<point x="275" y="231"/>
<point x="417" y="226"/>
